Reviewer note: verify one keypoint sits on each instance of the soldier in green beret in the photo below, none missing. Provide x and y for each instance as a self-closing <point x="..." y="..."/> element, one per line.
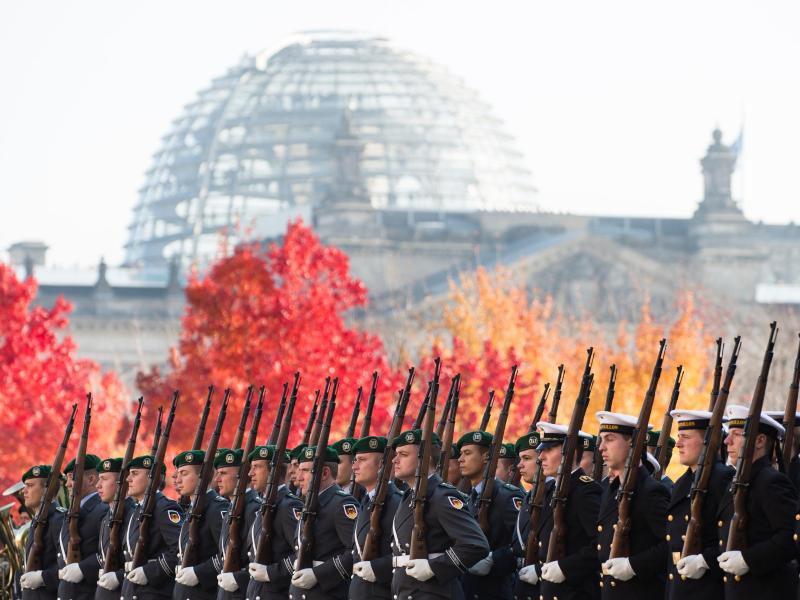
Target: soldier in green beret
<point x="527" y="582"/>
<point x="226" y="471"/>
<point x="491" y="577"/>
<point x="344" y="448"/>
<point x="373" y="578"/>
<point x="41" y="584"/>
<point x="453" y="472"/>
<point x="79" y="579"/>
<point x="589" y="443"/>
<point x="291" y="471"/>
<point x="108" y="472"/>
<point x="199" y="581"/>
<point x="506" y="462"/>
<point x="271" y="582"/>
<point x="328" y="579"/>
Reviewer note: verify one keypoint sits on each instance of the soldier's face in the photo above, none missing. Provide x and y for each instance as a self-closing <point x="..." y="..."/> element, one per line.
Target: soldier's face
<point x="472" y="461"/>
<point x="366" y="467"/>
<point x="33" y="492"/>
<point x="345" y="470"/>
<point x="733" y="443"/>
<point x="551" y="459"/>
<point x="175" y="482"/>
<point x="106" y="486"/>
<point x="225" y="480"/>
<point x="259" y="473"/>
<point x="291" y="472"/>
<point x="614" y="450"/>
<point x="453" y="472"/>
<point x="405" y="462"/>
<point x="137" y="482"/>
<point x="527" y="465"/>
<point x="504" y="468"/>
<point x="587" y="461"/>
<point x="689" y="445"/>
<point x="188" y="478"/>
<point x="303" y="478"/>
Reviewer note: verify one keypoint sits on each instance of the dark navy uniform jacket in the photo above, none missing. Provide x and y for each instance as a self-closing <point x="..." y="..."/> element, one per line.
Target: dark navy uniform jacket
<point x="89" y="518"/>
<point x="251" y="509"/>
<point x="55" y="517"/>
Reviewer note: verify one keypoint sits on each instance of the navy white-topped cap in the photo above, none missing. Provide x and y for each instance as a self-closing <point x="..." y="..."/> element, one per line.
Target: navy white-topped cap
<point x="737" y="417"/>
<point x="778" y="416"/>
<point x="691" y="419"/>
<point x="617" y="422"/>
<point x="552" y="434"/>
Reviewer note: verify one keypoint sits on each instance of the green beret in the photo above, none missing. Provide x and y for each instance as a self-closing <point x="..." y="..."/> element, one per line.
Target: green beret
<point x="372" y="443"/>
<point x="193" y="458"/>
<point x="110" y="465"/>
<point x="228" y="458"/>
<point x="455" y="453"/>
<point x="141" y="462"/>
<point x="344" y="446"/>
<point x="652" y="439"/>
<point x="588" y="443"/>
<point x="265" y="453"/>
<point x="477" y="438"/>
<point x="36" y="472"/>
<point x="90" y="463"/>
<point x="295" y="452"/>
<point x="529" y="441"/>
<point x="307" y="455"/>
<point x="413" y="437"/>
<point x="507" y="450"/>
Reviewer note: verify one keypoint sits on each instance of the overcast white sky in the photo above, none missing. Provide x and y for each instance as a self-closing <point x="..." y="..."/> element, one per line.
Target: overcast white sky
<point x="612" y="103"/>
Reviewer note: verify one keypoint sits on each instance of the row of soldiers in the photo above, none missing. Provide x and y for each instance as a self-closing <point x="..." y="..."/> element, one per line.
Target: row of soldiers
<point x="378" y="499"/>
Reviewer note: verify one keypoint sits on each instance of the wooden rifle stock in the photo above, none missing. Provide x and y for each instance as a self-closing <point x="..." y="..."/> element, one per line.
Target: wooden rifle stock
<point x="449" y="430"/>
<point x="276" y="426"/>
<point x="237" y="441"/>
<point x="312" y="415"/>
<point x="366" y="424"/>
<point x="597" y="467"/>
<point x="351" y="428"/>
<point x="201" y="426"/>
<point x="446" y="410"/>
<point x="551" y="416"/>
<point x="73" y="550"/>
<point x="157" y="431"/>
<point x="487" y="412"/>
<point x="717" y="376"/>
<point x="423" y="407"/>
<point x="315" y="433"/>
<point x="537" y="415"/>
<point x="789" y="413"/>
<point x="662" y="451"/>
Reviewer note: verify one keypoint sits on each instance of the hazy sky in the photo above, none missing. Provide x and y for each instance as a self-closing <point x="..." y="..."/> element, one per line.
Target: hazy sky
<point x="612" y="103"/>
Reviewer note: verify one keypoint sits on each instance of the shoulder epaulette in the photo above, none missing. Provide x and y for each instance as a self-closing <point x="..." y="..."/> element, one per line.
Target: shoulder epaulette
<point x="291" y="495"/>
<point x="513" y="488"/>
<point x="342" y="493"/>
<point x="62" y="509"/>
<point x="444" y="484"/>
<point x="586" y="479"/>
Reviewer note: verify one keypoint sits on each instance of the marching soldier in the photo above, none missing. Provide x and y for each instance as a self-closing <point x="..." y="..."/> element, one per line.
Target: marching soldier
<point x="453" y="538"/>
<point x="79" y="579"/>
<point x="199" y="581"/>
<point x="344" y="448"/>
<point x="41" y="584"/>
<point x="291" y="471"/>
<point x="696" y="576"/>
<point x="764" y="569"/>
<point x="526" y="586"/>
<point x="271" y="582"/>
<point x="489" y="578"/>
<point x="328" y="579"/>
<point x="154" y="579"/>
<point x="373" y="578"/>
<point x="574" y="576"/>
<point x="107" y="475"/>
<point x="643" y="573"/>
<point x="589" y="443"/>
<point x="228" y="464"/>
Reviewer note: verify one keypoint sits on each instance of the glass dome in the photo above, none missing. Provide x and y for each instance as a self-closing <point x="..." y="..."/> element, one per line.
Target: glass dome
<point x="256" y="147"/>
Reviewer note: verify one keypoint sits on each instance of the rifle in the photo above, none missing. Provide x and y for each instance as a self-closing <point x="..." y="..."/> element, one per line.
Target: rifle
<point x="157" y="432"/>
<point x="741" y="480"/>
<point x="194" y="520"/>
<point x="447" y="442"/>
<point x="233" y="547"/>
<point x="557" y="548"/>
<point x="789" y="414"/>
<point x="367" y="422"/>
<point x="153" y="483"/>
<point x="551" y="416"/>
<point x="666" y="427"/>
<point x="237" y="441"/>
<point x="418" y="548"/>
<point x="370" y="549"/>
<point x="113" y="552"/>
<point x="315" y="433"/>
<point x="39" y="523"/>
<point x="423" y="407"/>
<point x="73" y="551"/>
<point x="692" y="543"/>
<point x="597" y="468"/>
<point x="537" y="416"/>
<point x="620" y="543"/>
<point x="312" y="415"/>
<point x="270" y="505"/>
<point x="351" y="429"/>
<point x="440" y="426"/>
<point x="717" y="375"/>
<point x="201" y="427"/>
<point x="485" y="499"/>
<point x="305" y="552"/>
<point x="276" y="426"/>
<point x="487" y="412"/>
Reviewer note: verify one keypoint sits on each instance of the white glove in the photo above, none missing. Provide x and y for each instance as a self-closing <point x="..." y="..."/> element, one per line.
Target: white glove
<point x="733" y="562"/>
<point x="258" y="572"/>
<point x="304" y="578"/>
<point x="528" y="575"/>
<point x="137" y="576"/>
<point x="71" y="573"/>
<point x="619" y="568"/>
<point x="364" y="570"/>
<point x="552" y="572"/>
<point x="31" y="580"/>
<point x="186" y="576"/>
<point x="227" y="582"/>
<point x="482" y="567"/>
<point x="693" y="566"/>
<point x="108" y="581"/>
<point x="129" y="566"/>
<point x="419" y="569"/>
<point x="400" y="561"/>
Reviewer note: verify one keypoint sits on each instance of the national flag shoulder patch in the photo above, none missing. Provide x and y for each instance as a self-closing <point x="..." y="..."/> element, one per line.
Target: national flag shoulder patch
<point x="174" y="516"/>
<point x="517" y="503"/>
<point x="456" y="503"/>
<point x="350" y="511"/>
